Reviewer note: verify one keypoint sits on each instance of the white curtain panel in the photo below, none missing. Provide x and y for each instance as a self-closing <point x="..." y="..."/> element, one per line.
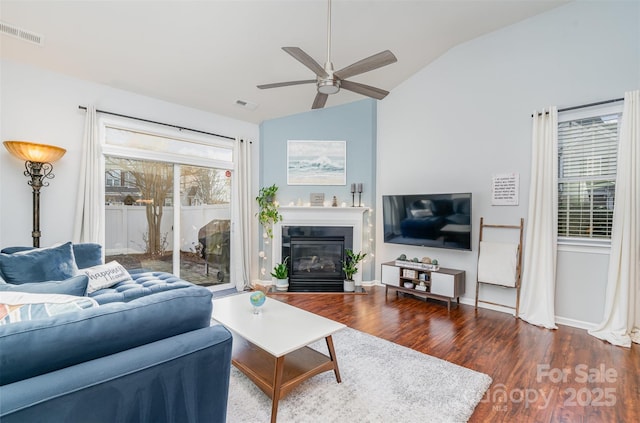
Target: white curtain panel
<point x="89" y="225"/>
<point x="241" y="214"/>
<point x="621" y="320"/>
<point x="539" y="269"/>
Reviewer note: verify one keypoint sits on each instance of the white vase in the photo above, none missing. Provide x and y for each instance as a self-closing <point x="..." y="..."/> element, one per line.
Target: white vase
<point x="282" y="284"/>
<point x="349" y="286"/>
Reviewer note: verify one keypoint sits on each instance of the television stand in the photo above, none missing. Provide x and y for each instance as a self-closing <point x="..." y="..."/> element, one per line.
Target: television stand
<point x="442" y="284"/>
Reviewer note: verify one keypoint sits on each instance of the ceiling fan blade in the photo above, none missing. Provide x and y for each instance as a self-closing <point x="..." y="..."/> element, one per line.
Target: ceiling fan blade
<point x="306" y="60"/>
<point x="320" y="101"/>
<point x="365" y="65"/>
<point x="363" y="89"/>
<point x="285" y="84"/>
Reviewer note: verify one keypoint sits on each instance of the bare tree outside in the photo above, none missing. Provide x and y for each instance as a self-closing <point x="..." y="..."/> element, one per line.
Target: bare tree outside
<point x="205" y="186"/>
<point x="153" y="182"/>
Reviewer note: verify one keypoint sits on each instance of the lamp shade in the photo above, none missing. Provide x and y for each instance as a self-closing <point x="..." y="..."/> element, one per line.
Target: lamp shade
<point x="32" y="152"/>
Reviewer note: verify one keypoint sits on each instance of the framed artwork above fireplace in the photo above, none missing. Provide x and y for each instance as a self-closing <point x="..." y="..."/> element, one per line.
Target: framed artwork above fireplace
<point x="316" y="162"/>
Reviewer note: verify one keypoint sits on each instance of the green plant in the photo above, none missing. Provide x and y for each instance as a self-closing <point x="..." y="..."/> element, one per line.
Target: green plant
<point x="350" y="265"/>
<point x="268" y="214"/>
<point x="281" y="270"/>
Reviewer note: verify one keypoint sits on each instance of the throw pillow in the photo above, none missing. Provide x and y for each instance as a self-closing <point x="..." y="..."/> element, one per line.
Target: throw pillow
<point x="87" y="254"/>
<point x="43" y="264"/>
<point x="105" y="276"/>
<point x="20" y="306"/>
<point x="76" y="285"/>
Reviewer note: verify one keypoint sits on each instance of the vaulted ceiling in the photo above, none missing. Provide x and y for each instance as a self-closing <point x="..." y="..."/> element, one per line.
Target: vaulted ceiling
<point x="208" y="54"/>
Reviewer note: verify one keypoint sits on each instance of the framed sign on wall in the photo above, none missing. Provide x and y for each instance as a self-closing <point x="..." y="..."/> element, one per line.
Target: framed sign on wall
<point x="505" y="189"/>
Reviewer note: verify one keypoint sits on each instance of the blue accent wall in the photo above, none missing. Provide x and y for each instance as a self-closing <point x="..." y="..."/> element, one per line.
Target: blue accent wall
<point x="354" y="123"/>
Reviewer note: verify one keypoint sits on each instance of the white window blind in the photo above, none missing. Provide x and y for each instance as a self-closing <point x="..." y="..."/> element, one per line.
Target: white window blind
<point x="587" y="156"/>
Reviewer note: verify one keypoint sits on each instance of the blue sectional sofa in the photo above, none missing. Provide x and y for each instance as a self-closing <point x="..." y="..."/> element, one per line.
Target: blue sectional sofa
<point x="144" y="351"/>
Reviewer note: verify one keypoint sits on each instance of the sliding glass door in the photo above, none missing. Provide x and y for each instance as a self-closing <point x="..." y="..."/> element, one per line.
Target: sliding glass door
<point x="168" y="205"/>
<point x="205" y="217"/>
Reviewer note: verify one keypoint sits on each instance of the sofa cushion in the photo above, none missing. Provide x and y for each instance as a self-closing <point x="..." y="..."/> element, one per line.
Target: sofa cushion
<point x="76" y="285"/>
<point x="87" y="254"/>
<point x="44" y="264"/>
<point x="105" y="275"/>
<point x="143" y="283"/>
<point x="21" y="306"/>
<point x="32" y="348"/>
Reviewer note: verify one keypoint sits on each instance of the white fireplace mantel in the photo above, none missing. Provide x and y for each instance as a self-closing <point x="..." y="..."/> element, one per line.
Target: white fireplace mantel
<point x="319" y="216"/>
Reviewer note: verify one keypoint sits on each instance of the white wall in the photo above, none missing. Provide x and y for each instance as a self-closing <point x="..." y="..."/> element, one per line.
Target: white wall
<point x="467" y="116"/>
<point x="41" y="106"/>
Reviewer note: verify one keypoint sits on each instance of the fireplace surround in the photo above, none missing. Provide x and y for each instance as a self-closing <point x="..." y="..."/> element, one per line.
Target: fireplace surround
<point x="315" y="239"/>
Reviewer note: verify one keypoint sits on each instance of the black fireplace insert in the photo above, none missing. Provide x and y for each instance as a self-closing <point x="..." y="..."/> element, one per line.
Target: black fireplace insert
<point x="315" y="256"/>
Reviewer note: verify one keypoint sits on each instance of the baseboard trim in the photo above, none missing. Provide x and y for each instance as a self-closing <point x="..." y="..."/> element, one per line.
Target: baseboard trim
<point x="575" y="323"/>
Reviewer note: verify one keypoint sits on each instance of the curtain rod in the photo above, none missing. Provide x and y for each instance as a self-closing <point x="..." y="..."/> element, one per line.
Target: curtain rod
<point x="582" y="106"/>
<point x="159" y="123"/>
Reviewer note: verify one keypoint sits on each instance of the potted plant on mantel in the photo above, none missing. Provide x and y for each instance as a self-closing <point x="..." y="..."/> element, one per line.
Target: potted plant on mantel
<point x="350" y="268"/>
<point x="268" y="214"/>
<point x="281" y="275"/>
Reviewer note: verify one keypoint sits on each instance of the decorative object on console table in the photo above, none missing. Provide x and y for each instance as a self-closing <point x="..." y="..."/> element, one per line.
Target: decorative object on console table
<point x="350" y="268"/>
<point x="417" y="265"/>
<point x="409" y="273"/>
<point x="38" y="159"/>
<point x="281" y="274"/>
<point x="268" y="214"/>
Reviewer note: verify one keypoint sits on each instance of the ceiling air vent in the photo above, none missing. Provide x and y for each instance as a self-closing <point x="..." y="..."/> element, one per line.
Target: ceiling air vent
<point x="246" y="104"/>
<point x="21" y="34"/>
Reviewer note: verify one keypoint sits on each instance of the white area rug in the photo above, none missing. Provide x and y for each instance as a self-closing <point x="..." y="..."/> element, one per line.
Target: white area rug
<point x="381" y="382"/>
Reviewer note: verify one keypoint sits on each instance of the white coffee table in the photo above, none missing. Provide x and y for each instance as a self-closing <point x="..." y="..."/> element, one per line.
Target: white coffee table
<point x="271" y="348"/>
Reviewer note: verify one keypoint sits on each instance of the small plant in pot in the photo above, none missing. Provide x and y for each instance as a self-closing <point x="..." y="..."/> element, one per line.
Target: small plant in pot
<point x="350" y="268"/>
<point x="281" y="275"/>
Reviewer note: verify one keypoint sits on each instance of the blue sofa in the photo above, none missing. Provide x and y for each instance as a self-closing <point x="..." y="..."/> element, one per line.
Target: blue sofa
<point x="146" y="353"/>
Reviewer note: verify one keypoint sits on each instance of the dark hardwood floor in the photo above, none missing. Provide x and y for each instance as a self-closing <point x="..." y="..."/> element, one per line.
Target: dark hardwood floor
<point x="539" y="375"/>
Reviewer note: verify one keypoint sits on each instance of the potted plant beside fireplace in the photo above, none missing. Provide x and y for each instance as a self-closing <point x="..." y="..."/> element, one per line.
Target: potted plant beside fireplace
<point x="281" y="275"/>
<point x="350" y="268"/>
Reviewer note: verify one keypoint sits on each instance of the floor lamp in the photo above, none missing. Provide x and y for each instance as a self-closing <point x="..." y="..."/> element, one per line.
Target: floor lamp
<point x="38" y="159"/>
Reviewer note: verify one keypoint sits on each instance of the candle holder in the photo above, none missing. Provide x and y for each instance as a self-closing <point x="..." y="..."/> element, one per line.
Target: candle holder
<point x="360" y="195"/>
<point x="353" y="195"/>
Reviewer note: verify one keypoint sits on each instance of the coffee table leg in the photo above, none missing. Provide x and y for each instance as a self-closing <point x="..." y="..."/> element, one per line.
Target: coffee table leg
<point x="277" y="382"/>
<point x="334" y="360"/>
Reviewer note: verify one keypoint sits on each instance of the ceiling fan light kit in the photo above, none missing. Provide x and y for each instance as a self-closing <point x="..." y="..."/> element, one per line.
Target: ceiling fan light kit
<point x="329" y="82"/>
<point x="328" y="86"/>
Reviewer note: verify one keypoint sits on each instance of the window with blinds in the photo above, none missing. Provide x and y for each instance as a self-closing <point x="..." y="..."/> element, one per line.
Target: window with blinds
<point x="587" y="156"/>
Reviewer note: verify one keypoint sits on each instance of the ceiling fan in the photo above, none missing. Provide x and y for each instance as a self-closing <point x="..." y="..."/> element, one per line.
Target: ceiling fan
<point x="329" y="81"/>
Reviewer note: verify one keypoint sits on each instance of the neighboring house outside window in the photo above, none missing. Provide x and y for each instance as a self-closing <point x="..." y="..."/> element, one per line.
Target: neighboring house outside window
<point x="587" y="160"/>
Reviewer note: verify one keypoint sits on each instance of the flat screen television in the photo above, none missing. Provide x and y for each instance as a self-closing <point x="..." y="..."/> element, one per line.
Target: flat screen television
<point x="428" y="220"/>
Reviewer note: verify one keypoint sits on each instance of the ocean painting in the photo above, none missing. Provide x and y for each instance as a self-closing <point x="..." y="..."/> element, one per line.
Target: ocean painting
<point x="316" y="162"/>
